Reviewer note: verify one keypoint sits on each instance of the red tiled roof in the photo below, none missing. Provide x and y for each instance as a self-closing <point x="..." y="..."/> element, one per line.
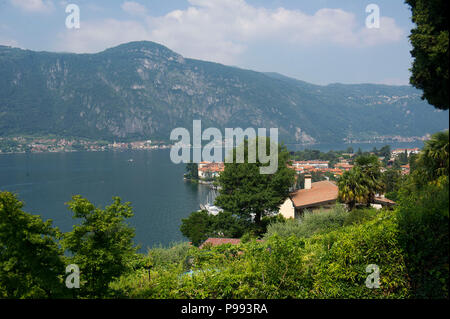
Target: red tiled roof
<point x="311" y="162"/>
<point x="320" y="193"/>
<point x="212" y="167"/>
<point x="343" y="165"/>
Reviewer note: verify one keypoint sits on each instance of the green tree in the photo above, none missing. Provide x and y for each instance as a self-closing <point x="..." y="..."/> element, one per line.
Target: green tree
<point x="197" y="227"/>
<point x="371" y="170"/>
<point x="392" y="180"/>
<point x="430" y="50"/>
<point x="433" y="161"/>
<point x="191" y="171"/>
<point x="246" y="192"/>
<point x="101" y="246"/>
<point x="359" y="152"/>
<point x="423" y="221"/>
<point x="225" y="224"/>
<point x="412" y="162"/>
<point x="31" y="264"/>
<point x="201" y="225"/>
<point x="385" y="151"/>
<point x="402" y="158"/>
<point x="352" y="188"/>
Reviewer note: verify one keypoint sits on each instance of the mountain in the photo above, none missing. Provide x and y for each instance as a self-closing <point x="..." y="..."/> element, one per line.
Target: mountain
<point x="143" y="90"/>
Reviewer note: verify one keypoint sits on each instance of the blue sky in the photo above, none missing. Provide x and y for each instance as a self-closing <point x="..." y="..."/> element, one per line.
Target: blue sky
<point x="316" y="41"/>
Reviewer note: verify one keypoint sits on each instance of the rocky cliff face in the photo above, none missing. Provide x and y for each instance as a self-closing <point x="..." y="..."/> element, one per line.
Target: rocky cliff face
<point x="144" y="90"/>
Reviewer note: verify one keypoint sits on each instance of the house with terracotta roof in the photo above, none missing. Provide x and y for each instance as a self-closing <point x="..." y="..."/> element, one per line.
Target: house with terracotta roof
<point x="210" y="170"/>
<point x="323" y="194"/>
<point x="344" y="166"/>
<point x="319" y="195"/>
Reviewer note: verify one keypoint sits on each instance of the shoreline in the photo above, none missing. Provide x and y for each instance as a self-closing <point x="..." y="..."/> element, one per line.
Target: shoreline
<point x="86" y="151"/>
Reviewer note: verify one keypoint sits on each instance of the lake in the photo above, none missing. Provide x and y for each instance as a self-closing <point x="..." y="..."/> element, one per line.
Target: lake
<point x="151" y="182"/>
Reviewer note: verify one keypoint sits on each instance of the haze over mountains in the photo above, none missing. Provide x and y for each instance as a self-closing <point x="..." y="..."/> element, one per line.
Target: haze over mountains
<point x="143" y="90"/>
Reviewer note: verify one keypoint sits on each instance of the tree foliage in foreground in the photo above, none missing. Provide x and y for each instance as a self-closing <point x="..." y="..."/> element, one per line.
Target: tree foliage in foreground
<point x="31" y="264"/>
<point x="101" y="245"/>
<point x="430" y="50"/>
<point x="424" y="220"/>
<point x="424" y="237"/>
<point x="329" y="264"/>
<point x="317" y="222"/>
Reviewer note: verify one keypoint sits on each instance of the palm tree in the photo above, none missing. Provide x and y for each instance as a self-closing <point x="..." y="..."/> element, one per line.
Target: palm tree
<point x="353" y="188"/>
<point x="434" y="159"/>
<point x="370" y="168"/>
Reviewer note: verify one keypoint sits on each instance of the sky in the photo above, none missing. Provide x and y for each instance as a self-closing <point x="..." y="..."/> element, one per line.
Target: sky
<point x="318" y="41"/>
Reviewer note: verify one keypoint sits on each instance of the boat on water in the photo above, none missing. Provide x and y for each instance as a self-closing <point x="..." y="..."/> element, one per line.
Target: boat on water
<point x="209" y="206"/>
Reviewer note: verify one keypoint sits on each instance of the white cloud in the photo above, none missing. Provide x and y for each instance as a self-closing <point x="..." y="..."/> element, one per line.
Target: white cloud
<point x="134" y="8"/>
<point x="33" y="5"/>
<point x="221" y="30"/>
<point x="97" y="36"/>
<point x="5" y="40"/>
<point x="388" y="32"/>
<point x="9" y="42"/>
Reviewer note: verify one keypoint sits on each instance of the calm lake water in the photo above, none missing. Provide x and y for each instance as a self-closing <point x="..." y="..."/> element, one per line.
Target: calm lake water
<point x="151" y="182"/>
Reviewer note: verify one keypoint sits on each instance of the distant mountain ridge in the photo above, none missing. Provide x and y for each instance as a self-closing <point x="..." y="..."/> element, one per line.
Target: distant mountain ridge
<point x="142" y="90"/>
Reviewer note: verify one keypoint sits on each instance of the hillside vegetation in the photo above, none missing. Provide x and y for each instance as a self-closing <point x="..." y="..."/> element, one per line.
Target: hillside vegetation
<point x="143" y="90"/>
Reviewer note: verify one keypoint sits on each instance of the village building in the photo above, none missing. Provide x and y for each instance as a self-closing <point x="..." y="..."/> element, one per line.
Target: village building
<point x="311" y="163"/>
<point x="319" y="195"/>
<point x="314" y="166"/>
<point x="345" y="166"/>
<point x="408" y="151"/>
<point x="405" y="169"/>
<point x="210" y="169"/>
<point x="316" y="195"/>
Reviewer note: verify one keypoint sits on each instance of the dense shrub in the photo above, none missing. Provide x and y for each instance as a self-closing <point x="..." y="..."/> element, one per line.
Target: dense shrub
<point x="31" y="263"/>
<point x="272" y="269"/>
<point x="340" y="271"/>
<point x="424" y="236"/>
<point x="201" y="225"/>
<point x="360" y="216"/>
<point x="174" y="254"/>
<point x="326" y="265"/>
<point x="318" y="222"/>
